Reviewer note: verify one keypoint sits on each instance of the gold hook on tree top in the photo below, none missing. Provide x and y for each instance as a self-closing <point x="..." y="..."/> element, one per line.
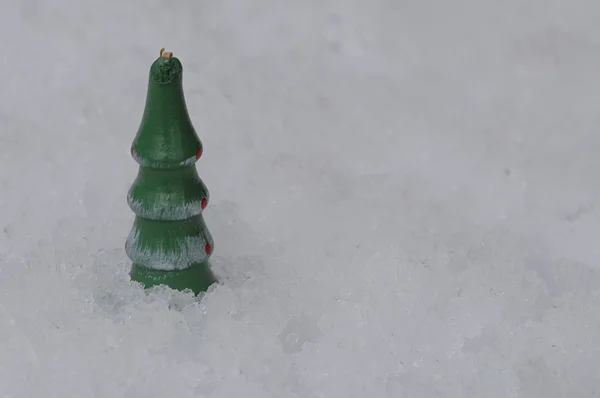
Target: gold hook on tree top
<point x="164" y="54"/>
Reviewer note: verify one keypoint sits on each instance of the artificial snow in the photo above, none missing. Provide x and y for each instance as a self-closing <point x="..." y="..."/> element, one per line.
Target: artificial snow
<point x="162" y="210"/>
<point x="403" y="199"/>
<point x="146" y="162"/>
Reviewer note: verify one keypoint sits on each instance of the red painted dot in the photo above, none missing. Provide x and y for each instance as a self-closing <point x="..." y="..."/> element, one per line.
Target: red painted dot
<point x="208" y="248"/>
<point x="198" y="153"/>
<point x="203" y="203"/>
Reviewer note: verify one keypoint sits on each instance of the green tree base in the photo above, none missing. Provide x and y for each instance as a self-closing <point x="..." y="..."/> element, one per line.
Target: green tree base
<point x="198" y="278"/>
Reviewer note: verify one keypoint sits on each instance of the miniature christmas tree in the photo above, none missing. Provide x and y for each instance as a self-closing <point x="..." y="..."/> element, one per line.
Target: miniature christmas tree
<point x="169" y="243"/>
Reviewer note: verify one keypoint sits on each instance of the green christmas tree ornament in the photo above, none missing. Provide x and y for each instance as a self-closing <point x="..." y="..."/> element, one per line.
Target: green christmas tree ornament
<point x="169" y="243"/>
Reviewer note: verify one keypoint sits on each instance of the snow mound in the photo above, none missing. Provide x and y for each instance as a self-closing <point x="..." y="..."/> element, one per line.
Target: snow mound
<point x="403" y="200"/>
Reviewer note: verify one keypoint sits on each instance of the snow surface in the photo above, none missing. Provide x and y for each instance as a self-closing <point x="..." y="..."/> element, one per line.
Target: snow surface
<point x="404" y="199"/>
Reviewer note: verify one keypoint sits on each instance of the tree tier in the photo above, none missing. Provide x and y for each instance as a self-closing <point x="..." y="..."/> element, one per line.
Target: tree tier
<point x="166" y="137"/>
<point x="160" y="194"/>
<point x="169" y="245"/>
